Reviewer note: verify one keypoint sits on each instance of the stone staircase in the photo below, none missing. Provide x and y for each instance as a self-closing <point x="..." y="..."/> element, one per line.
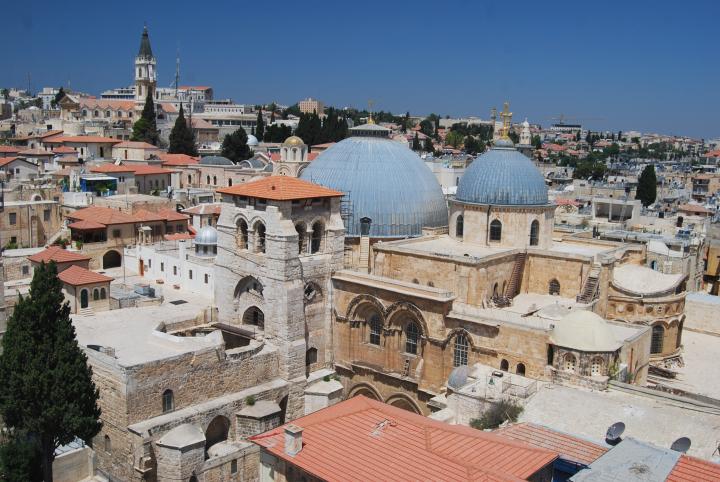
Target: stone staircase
<point x="590" y="287"/>
<point x="365" y="252"/>
<point x="513" y="287"/>
<point x="85" y="312"/>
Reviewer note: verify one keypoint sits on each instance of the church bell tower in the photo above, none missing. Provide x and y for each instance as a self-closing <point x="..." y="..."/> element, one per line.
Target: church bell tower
<point x="145" y="69"/>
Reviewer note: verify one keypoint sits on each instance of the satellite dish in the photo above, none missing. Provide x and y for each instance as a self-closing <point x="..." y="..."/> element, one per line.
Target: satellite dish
<point x="614" y="431"/>
<point x="681" y="445"/>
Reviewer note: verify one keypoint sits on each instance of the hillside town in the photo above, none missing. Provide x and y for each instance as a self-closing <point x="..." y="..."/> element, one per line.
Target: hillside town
<point x="307" y="292"/>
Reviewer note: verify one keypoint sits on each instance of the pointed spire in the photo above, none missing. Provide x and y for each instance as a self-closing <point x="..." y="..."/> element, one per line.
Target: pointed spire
<point x="145" y="49"/>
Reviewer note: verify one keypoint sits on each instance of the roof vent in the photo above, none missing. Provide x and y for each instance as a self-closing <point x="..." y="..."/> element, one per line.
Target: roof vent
<point x="681" y="445"/>
<point x="614" y="431"/>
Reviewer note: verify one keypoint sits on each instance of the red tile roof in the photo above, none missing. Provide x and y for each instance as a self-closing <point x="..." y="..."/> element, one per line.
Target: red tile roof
<point x="568" y="446"/>
<point x="35" y="152"/>
<point x="83" y="140"/>
<point x="85" y="225"/>
<point x="10" y="149"/>
<point x="177" y="159"/>
<point x="692" y="469"/>
<point x="204" y="209"/>
<point x="363" y="439"/>
<point x="172" y="215"/>
<point x="7" y="160"/>
<point x="280" y="188"/>
<point x="57" y="254"/>
<point x="64" y="150"/>
<point x="143" y="170"/>
<point x="143" y="215"/>
<point x="694" y="208"/>
<point x="77" y="276"/>
<point x="102" y="215"/>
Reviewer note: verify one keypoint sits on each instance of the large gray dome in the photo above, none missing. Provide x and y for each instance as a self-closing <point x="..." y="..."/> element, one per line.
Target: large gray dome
<point x="215" y="161"/>
<point x="502" y="176"/>
<point x="384" y="181"/>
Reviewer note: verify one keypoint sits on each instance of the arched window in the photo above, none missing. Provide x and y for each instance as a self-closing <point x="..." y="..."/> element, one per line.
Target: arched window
<point x="253" y="316"/>
<point x="317" y="235"/>
<point x="375" y="329"/>
<point x="460" y="356"/>
<point x="229" y="182"/>
<point x="569" y="362"/>
<point x="534" y="233"/>
<point x="412" y="333"/>
<point x="168" y="401"/>
<point x="495" y="290"/>
<point x="214" y="180"/>
<point x="96" y="294"/>
<point x="300" y="228"/>
<point x="504" y="365"/>
<point x="108" y="444"/>
<point x="596" y="367"/>
<point x="242" y="234"/>
<point x="260" y="238"/>
<point x="658" y="338"/>
<point x="495" y="230"/>
<point x="554" y="287"/>
<point x="103" y="293"/>
<point x="189" y="179"/>
<point x="459" y="226"/>
<point x="653" y="265"/>
<point x="311" y="356"/>
<point x="84" y="298"/>
<point x="520" y="369"/>
<point x="208" y="180"/>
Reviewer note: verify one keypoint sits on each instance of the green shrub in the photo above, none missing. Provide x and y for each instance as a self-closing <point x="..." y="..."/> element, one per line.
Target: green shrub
<point x="497" y="414"/>
<point x="250" y="400"/>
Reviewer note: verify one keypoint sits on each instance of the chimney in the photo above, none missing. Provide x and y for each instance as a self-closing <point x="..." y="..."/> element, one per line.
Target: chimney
<point x="293" y="439"/>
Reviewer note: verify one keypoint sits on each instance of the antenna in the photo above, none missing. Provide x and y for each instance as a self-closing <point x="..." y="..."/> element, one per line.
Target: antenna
<point x="177" y="72"/>
<point x="681" y="445"/>
<point x="614" y="431"/>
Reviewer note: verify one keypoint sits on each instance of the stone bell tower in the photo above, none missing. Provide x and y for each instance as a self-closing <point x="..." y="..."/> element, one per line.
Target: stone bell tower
<point x="145" y="69"/>
<point x="279" y="240"/>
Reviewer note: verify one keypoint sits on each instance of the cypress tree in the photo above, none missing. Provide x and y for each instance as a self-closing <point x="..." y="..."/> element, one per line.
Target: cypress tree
<point x="235" y="147"/>
<point x="145" y="129"/>
<point x="416" y="143"/>
<point x="260" y="126"/>
<point x="182" y="140"/>
<point x="647" y="186"/>
<point x="429" y="147"/>
<point x="47" y="388"/>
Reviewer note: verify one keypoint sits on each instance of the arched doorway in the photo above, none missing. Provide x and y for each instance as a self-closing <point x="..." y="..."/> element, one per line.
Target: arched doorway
<point x="404" y="402"/>
<point x="520" y="369"/>
<point x="84" y="298"/>
<point x="254" y="316"/>
<point x="217" y="431"/>
<point x="112" y="259"/>
<point x="504" y="365"/>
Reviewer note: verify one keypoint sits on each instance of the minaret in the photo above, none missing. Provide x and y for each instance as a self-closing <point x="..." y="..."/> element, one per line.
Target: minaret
<point x="145" y="73"/>
<point x="525" y="136"/>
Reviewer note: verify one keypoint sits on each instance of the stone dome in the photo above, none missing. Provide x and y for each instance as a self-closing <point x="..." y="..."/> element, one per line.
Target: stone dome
<point x="458" y="377"/>
<point x="207" y="236"/>
<point x="503" y="176"/>
<point x="252" y="140"/>
<point x="584" y="331"/>
<point x="293" y="141"/>
<point x="384" y="181"/>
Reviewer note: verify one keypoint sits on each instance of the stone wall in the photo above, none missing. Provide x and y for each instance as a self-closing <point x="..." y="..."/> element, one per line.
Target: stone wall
<point x="541" y="267"/>
<point x="701" y="312"/>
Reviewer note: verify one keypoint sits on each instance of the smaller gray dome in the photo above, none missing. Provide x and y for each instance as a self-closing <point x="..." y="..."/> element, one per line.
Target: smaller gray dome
<point x="252" y="140"/>
<point x="215" y="161"/>
<point x="207" y="236"/>
<point x="458" y="377"/>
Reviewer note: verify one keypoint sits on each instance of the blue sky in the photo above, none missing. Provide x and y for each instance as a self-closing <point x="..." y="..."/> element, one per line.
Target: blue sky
<point x="652" y="66"/>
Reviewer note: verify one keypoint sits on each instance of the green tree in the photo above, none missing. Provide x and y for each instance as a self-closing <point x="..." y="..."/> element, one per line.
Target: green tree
<point x="416" y="143"/>
<point x="58" y="97"/>
<point x="235" y="147"/>
<point x="20" y="459"/>
<point x="427" y="127"/>
<point x="647" y="186"/>
<point x="497" y="414"/>
<point x="454" y="138"/>
<point x="428" y="145"/>
<point x="145" y="129"/>
<point x="47" y="388"/>
<point x="473" y="146"/>
<point x="536" y="142"/>
<point x="260" y="126"/>
<point x="514" y="137"/>
<point x="182" y="140"/>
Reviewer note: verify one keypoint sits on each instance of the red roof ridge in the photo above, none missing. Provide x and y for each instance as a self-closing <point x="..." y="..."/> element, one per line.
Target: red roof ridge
<point x="281" y="188"/>
<point x="76" y="275"/>
<point x="57" y="254"/>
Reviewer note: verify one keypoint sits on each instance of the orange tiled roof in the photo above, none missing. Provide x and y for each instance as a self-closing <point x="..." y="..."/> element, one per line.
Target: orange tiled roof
<point x="7" y="160"/>
<point x="135" y="145"/>
<point x="64" y="150"/>
<point x="143" y="215"/>
<point x="363" y="439"/>
<point x="280" y="188"/>
<point x="143" y="170"/>
<point x="35" y="152"/>
<point x="693" y="208"/>
<point x="10" y="149"/>
<point x="85" y="225"/>
<point x="206" y="208"/>
<point x="172" y="215"/>
<point x="102" y="215"/>
<point x="692" y="469"/>
<point x="83" y="140"/>
<point x="57" y="254"/>
<point x="177" y="159"/>
<point x="77" y="276"/>
<point x="92" y="103"/>
<point x="569" y="447"/>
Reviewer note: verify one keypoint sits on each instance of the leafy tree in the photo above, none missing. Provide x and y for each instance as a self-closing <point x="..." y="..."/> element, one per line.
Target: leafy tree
<point x="235" y="147"/>
<point x="497" y="414"/>
<point x="5" y="93"/>
<point x="647" y="186"/>
<point x="48" y="392"/>
<point x="182" y="140"/>
<point x="514" y="137"/>
<point x="20" y="459"/>
<point x="58" y="97"/>
<point x="536" y="142"/>
<point x="277" y="133"/>
<point x="427" y="127"/>
<point x="260" y="126"/>
<point x="416" y="143"/>
<point x="428" y="146"/>
<point x="473" y="146"/>
<point x="145" y="129"/>
<point x="454" y="138"/>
